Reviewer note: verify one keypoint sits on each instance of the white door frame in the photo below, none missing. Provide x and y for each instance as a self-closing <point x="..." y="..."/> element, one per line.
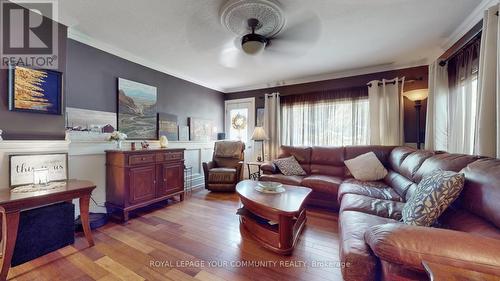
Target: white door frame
<point x="251" y="122"/>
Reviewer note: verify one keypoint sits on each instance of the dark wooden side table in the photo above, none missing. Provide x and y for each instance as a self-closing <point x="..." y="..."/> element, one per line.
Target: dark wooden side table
<point x="11" y="204"/>
<point x="254" y="175"/>
<point x="441" y="272"/>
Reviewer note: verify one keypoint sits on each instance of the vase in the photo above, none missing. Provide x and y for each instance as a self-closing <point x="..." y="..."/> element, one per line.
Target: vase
<point x="118" y="144"/>
<point x="163" y="142"/>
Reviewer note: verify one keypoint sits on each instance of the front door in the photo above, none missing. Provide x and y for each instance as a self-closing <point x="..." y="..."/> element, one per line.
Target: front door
<point x="240" y="123"/>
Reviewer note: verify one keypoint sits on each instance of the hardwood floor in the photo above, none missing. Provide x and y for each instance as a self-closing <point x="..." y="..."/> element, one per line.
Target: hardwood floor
<point x="198" y="239"/>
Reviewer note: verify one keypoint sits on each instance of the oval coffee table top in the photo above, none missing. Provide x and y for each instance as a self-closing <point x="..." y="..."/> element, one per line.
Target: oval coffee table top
<point x="290" y="201"/>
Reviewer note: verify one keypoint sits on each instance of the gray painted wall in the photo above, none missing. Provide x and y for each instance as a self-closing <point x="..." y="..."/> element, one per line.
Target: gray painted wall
<point x="92" y="84"/>
<point x="22" y="125"/>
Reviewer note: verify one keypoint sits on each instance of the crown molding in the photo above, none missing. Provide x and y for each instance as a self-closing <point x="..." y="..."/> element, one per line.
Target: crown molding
<point x="329" y="76"/>
<point x="85" y="39"/>
<point x="474" y="17"/>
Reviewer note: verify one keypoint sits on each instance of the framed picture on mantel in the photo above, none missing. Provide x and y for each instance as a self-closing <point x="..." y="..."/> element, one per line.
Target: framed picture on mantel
<point x="167" y="126"/>
<point x="200" y="129"/>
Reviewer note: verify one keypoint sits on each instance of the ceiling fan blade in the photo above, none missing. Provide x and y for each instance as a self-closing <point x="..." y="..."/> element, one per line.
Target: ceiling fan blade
<point x="203" y="31"/>
<point x="301" y="33"/>
<point x="231" y="55"/>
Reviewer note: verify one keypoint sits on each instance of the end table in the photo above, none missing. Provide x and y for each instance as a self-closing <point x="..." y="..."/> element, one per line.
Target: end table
<point x="254" y="175"/>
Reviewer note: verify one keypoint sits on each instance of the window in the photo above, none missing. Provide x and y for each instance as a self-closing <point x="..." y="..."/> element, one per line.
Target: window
<point x="463" y="98"/>
<point x="332" y="119"/>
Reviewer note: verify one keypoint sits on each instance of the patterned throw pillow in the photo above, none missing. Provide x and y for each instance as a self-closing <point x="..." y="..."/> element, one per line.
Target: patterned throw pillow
<point x="433" y="195"/>
<point x="289" y="166"/>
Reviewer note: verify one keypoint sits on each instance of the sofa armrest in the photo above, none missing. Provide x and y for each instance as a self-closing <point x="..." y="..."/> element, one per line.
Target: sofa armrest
<point x="269" y="168"/>
<point x="239" y="171"/>
<point x="206" y="167"/>
<point x="409" y="245"/>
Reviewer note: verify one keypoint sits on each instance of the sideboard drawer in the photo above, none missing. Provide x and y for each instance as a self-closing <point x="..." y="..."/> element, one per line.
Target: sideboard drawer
<point x="141" y="159"/>
<point x="170" y="156"/>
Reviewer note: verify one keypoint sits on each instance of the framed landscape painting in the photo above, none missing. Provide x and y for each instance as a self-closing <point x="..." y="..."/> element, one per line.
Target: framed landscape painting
<point x="200" y="129"/>
<point x="137" y="110"/>
<point x="32" y="90"/>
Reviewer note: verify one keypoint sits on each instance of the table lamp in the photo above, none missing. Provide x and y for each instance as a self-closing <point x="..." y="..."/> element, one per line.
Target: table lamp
<point x="259" y="134"/>
<point x="417" y="96"/>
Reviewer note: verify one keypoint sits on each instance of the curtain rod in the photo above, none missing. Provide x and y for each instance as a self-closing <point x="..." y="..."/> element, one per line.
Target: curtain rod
<point x="399" y="81"/>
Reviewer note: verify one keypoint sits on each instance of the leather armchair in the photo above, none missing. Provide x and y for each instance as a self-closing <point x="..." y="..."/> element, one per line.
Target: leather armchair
<point x="226" y="168"/>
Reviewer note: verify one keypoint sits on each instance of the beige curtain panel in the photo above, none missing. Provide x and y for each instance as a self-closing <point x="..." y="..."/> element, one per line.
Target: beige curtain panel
<point x="487" y="141"/>
<point x="436" y="131"/>
<point x="386" y="111"/>
<point x="272" y="125"/>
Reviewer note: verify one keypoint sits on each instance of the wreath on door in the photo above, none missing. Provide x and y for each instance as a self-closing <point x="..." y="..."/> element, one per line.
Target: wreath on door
<point x="239" y="122"/>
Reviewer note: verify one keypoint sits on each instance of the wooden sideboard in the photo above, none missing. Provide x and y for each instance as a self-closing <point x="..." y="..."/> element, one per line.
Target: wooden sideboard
<point x="138" y="178"/>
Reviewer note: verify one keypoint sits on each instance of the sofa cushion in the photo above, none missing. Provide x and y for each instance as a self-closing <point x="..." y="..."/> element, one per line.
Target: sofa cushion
<point x="374" y="189"/>
<point x="462" y="220"/>
<point x="433" y="195"/>
<point x="366" y="167"/>
<point x="444" y="161"/>
<point x="481" y="194"/>
<point x="412" y="163"/>
<point x="289" y="166"/>
<point x="401" y="184"/>
<point x="291" y="180"/>
<point x="322" y="183"/>
<point x="360" y="263"/>
<point x="222" y="175"/>
<point x="398" y="155"/>
<point x="379" y="207"/>
<point x="328" y="161"/>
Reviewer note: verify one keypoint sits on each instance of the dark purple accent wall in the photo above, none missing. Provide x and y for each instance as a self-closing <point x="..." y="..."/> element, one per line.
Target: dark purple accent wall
<point x="92" y="84"/>
<point x="22" y="125"/>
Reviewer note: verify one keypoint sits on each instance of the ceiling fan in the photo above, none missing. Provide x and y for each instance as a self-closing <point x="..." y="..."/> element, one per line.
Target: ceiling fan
<point x="254" y="32"/>
<point x="254" y="43"/>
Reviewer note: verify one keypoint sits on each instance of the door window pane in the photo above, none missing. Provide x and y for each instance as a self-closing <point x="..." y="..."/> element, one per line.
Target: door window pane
<point x="238" y="128"/>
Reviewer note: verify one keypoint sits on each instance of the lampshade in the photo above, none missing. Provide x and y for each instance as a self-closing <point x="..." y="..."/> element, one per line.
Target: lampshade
<point x="417" y="95"/>
<point x="253" y="44"/>
<point x="259" y="134"/>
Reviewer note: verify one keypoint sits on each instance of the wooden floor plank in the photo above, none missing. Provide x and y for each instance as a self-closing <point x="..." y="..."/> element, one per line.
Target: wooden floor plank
<point x="198" y="239"/>
<point x="118" y="270"/>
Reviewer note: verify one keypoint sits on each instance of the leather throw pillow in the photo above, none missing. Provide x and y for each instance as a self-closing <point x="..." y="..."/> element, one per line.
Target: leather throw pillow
<point x="366" y="167"/>
<point x="289" y="166"/>
<point x="433" y="195"/>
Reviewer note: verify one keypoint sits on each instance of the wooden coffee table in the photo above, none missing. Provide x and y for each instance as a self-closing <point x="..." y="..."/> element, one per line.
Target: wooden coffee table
<point x="274" y="220"/>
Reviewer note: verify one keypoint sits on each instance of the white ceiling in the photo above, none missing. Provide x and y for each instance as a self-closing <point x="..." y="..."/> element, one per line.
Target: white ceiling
<point x="185" y="38"/>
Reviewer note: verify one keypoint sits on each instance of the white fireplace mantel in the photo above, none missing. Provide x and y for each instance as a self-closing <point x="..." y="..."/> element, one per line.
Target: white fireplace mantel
<point x="87" y="160"/>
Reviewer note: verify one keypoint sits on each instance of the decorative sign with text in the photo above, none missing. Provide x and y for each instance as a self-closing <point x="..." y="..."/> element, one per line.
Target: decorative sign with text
<point x="22" y="167"/>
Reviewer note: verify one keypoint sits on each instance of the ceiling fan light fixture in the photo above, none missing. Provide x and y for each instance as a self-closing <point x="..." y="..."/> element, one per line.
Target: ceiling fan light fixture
<point x="253" y="44"/>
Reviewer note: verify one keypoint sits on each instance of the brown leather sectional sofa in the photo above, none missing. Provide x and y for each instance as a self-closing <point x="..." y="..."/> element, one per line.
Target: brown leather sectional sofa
<point x="374" y="244"/>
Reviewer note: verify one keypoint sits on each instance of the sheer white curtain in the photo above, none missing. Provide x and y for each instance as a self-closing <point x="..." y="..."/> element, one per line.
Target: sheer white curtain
<point x="318" y="121"/>
<point x="386" y="112"/>
<point x="272" y="125"/>
<point x="488" y="120"/>
<point x="436" y="132"/>
<point x="462" y="101"/>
